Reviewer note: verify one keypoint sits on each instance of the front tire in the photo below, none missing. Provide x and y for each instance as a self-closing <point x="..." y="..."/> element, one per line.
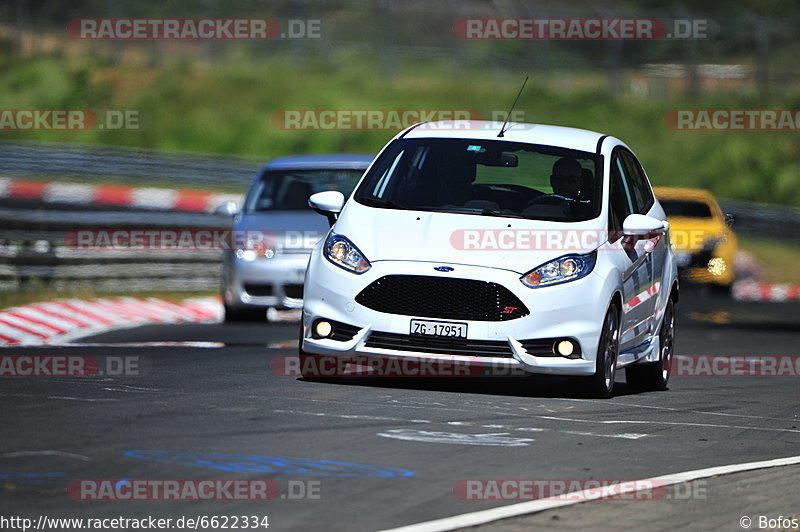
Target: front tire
<point x="601" y="384"/>
<point x="655" y="375"/>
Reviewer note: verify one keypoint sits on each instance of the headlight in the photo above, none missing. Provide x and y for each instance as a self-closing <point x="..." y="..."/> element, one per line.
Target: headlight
<point x="560" y="270"/>
<point x="343" y="253"/>
<point x="255" y="247"/>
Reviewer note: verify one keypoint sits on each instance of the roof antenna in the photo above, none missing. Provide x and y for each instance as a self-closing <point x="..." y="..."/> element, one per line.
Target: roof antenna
<point x="503" y="129"/>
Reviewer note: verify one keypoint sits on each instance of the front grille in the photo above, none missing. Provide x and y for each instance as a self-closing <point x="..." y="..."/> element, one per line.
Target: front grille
<point x="258" y="290"/>
<point x="700" y="259"/>
<point x="439" y="346"/>
<point x="294" y="291"/>
<point x="442" y="297"/>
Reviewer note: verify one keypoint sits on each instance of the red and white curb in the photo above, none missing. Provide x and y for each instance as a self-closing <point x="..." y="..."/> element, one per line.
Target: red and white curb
<point x="119" y="195"/>
<point x="63" y="320"/>
<point x="754" y="291"/>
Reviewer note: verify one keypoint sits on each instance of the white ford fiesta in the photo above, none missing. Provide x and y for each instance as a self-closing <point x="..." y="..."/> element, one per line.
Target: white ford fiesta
<point x="533" y="248"/>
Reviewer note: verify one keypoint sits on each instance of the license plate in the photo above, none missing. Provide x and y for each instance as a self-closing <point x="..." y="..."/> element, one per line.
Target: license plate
<point x="439" y="328"/>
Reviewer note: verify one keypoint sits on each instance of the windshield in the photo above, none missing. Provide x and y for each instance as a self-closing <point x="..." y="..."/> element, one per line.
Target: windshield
<point x="690" y="209"/>
<point x="485" y="177"/>
<point x="288" y="190"/>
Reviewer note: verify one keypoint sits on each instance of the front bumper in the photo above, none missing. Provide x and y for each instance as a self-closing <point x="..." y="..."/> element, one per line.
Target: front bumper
<point x="560" y="311"/>
<point x="275" y="282"/>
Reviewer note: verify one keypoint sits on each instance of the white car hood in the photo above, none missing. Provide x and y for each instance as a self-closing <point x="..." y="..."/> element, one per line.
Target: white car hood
<point x="390" y="234"/>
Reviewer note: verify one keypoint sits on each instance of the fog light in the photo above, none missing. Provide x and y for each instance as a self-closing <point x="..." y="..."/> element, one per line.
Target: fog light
<point x="323" y="329"/>
<point x="565" y="348"/>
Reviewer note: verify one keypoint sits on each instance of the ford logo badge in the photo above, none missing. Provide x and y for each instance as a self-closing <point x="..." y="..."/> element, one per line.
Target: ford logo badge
<point x="443" y="269"/>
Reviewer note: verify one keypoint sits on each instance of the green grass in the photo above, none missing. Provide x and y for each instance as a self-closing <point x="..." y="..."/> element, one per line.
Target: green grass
<point x="228" y="108"/>
<point x="779" y="258"/>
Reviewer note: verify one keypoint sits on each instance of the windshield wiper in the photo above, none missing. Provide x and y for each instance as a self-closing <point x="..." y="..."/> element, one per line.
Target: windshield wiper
<point x="487" y="212"/>
<point x="381" y="202"/>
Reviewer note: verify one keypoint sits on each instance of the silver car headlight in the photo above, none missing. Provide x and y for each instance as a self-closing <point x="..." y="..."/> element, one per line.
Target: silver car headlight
<point x="255" y="246"/>
<point x="561" y="270"/>
<point x="340" y="251"/>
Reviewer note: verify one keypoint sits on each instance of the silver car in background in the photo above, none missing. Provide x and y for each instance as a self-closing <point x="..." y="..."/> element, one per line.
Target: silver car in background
<point x="275" y="230"/>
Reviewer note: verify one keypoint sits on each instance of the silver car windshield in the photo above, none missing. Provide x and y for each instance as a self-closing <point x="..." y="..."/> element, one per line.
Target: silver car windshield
<point x="289" y="190"/>
<point x="485" y="177"/>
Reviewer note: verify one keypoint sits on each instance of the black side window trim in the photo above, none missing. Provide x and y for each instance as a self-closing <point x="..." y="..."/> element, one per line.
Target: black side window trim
<point x="638" y="180"/>
<point x="615" y="229"/>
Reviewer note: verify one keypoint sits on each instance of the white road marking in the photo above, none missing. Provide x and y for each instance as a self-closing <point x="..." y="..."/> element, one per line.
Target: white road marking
<point x="725" y="414"/>
<point x="498" y="439"/>
<point x="531" y="507"/>
<point x="18" y="454"/>
<point x="85" y="399"/>
<point x="203" y="345"/>
<point x="620" y="402"/>
<point x="679" y="423"/>
<point x="347" y="416"/>
<point x="625" y="436"/>
<point x="556" y="418"/>
<point x="131" y="389"/>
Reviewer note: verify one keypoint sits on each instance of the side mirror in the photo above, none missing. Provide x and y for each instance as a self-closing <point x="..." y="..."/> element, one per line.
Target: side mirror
<point x="639" y="225"/>
<point x="229" y="208"/>
<point x="328" y="204"/>
<point x="729" y="219"/>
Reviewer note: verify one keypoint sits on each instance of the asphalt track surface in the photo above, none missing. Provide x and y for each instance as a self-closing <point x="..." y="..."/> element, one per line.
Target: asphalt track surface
<point x="382" y="453"/>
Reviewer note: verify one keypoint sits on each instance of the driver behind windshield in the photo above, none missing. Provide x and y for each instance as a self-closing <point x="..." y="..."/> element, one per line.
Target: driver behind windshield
<point x="567" y="178"/>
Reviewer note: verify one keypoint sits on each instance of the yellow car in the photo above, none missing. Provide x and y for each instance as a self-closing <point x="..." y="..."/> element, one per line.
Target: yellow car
<point x="703" y="243"/>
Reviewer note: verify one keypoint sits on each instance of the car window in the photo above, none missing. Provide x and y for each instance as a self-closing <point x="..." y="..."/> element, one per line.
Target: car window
<point x="688" y="208"/>
<point x="641" y="195"/>
<point x="288" y="190"/>
<point x="620" y="202"/>
<point x="484" y="177"/>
